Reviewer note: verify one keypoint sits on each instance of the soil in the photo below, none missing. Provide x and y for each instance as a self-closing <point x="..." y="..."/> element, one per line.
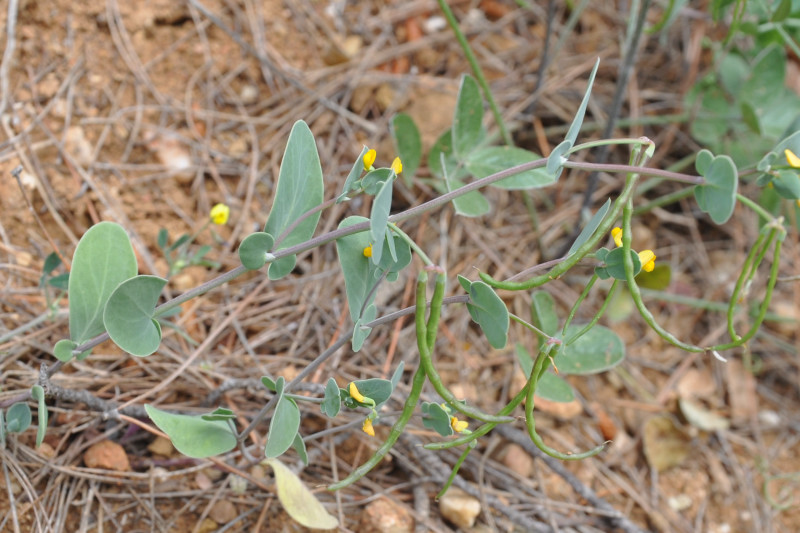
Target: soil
<point x="149" y="113"/>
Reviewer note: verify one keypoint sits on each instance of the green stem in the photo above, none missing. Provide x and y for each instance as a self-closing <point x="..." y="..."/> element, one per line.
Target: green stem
<point x="538" y="369"/>
<point x="572" y="260"/>
<point x="476" y="69"/>
<point x="411" y="244"/>
<point x="763" y="213"/>
<point x="456" y="467"/>
<point x="748" y="269"/>
<point x="596" y="317"/>
<point x="577" y="304"/>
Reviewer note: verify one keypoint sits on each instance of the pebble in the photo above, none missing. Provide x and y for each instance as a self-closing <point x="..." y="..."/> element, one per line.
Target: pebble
<point x="459" y="507"/>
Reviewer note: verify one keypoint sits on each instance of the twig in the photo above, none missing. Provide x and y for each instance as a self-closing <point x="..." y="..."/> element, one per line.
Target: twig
<point x="8" y="55"/>
<point x="615" y="518"/>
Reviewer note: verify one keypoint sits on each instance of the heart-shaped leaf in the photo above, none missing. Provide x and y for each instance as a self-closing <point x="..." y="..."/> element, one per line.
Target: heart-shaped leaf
<point x="129" y="315"/>
<point x="717" y="196"/>
<point x="598" y="350"/>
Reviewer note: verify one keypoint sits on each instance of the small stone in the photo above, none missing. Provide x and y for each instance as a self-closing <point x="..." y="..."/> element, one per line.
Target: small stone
<point x="769" y="418"/>
<point x="223" y="512"/>
<point x="78" y="146"/>
<point x="384" y="96"/>
<point x="45" y="450"/>
<point x="108" y="455"/>
<point x="459" y="507"/>
<point x="680" y="502"/>
<point x="385" y="516"/>
<point x="249" y="94"/>
<point x="161" y="446"/>
<point x="202" y="480"/>
<point x="518" y="460"/>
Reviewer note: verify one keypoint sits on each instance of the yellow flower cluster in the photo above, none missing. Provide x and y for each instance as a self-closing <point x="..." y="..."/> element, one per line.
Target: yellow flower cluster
<point x="647" y="257"/>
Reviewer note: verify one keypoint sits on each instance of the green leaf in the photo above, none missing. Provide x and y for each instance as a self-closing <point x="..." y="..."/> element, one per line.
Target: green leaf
<point x="588" y="231"/>
<point x="543" y="313"/>
<point x="300" y="447"/>
<point x="557" y="158"/>
<point x="284" y="424"/>
<point x="718" y="196"/>
<point x="436" y="418"/>
<point x="220" y="413"/>
<point x="614" y="265"/>
<point x="493" y="159"/>
<point x="254" y="248"/>
<point x="490" y="312"/>
<point x="577" y="122"/>
<point x="352" y="177"/>
<point x="332" y="402"/>
<point x="269" y="383"/>
<point x="468" y="119"/>
<point x="657" y="280"/>
<point x="360" y="330"/>
<point x="18" y="417"/>
<point x="360" y="274"/>
<point x="299" y="502"/>
<point x="193" y="436"/>
<point x="379" y="218"/>
<point x="60" y="282"/>
<point x="525" y="359"/>
<point x="379" y="390"/>
<point x="63" y="349"/>
<point x="553" y="388"/>
<point x="598" y="350"/>
<point x="464" y="282"/>
<point x="703" y="161"/>
<point x="37" y="393"/>
<point x="442" y="151"/>
<point x="408" y="143"/>
<point x="471" y="204"/>
<point x="787" y="184"/>
<point x="129" y="315"/>
<point x="300" y="189"/>
<point x="783" y="11"/>
<point x="103" y="259"/>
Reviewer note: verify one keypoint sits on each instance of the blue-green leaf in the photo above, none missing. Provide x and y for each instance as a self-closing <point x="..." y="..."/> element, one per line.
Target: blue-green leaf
<point x="543" y="313"/>
<point x="577" y="122"/>
<point x="379" y="218"/>
<point x="352" y="177"/>
<point x="129" y="315"/>
<point x="193" y="436"/>
<point x="299" y="190"/>
<point x="37" y="393"/>
<point x="553" y="388"/>
<point x="332" y="402"/>
<point x="598" y="350"/>
<point x="468" y="119"/>
<point x="300" y="447"/>
<point x="557" y="158"/>
<point x="63" y="349"/>
<point x="493" y="159"/>
<point x="490" y="312"/>
<point x="18" y="417"/>
<point x="254" y="248"/>
<point x="614" y="266"/>
<point x="588" y="231"/>
<point x="717" y="196"/>
<point x="436" y="418"/>
<point x="408" y="144"/>
<point x="103" y="259"/>
<point x="284" y="424"/>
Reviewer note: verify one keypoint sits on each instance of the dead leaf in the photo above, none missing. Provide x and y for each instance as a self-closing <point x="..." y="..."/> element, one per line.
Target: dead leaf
<point x="664" y="445"/>
<point x="696" y="384"/>
<point x="702" y="418"/>
<point x="298" y="501"/>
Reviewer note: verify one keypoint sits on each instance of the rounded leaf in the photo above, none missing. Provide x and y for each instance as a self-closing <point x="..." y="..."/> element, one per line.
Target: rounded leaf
<point x="129" y="315"/>
<point x="490" y="312"/>
<point x="102" y="260"/>
<point x="487" y="161"/>
<point x="717" y="196"/>
<point x="598" y="350"/>
<point x="18" y="417"/>
<point x="254" y="248"/>
<point x="63" y="349"/>
<point x="553" y="388"/>
<point x="193" y="436"/>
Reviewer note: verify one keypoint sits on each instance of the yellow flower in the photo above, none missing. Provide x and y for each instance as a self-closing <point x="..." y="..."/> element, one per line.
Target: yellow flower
<point x="219" y="214"/>
<point x="648" y="259"/>
<point x="397" y="165"/>
<point x="458" y="425"/>
<point x="368" y="251"/>
<point x="367" y="427"/>
<point x="357" y="396"/>
<point x="791" y="158"/>
<point x="369" y="159"/>
<point x="616" y="233"/>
